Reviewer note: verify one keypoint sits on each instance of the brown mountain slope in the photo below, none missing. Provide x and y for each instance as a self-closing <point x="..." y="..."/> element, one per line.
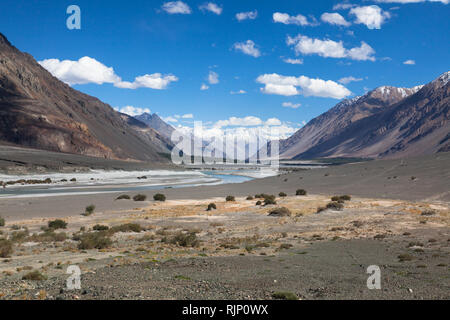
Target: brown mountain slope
<point x="338" y="118"/>
<point x="37" y="110"/>
<point x="155" y="122"/>
<point x="417" y="125"/>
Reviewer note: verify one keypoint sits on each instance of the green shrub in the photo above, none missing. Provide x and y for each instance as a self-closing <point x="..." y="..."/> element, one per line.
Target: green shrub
<point x="6" y="248"/>
<point x="57" y="224"/>
<point x="2" y="222"/>
<point x="159" y="197"/>
<point x="320" y="209"/>
<point x="282" y="194"/>
<point x="19" y="236"/>
<point x="127" y="227"/>
<point x="48" y="236"/>
<point x="280" y="212"/>
<point x="335" y="206"/>
<point x="99" y="227"/>
<point x="268" y="201"/>
<point x="282" y="295"/>
<point x="428" y="213"/>
<point x="211" y="206"/>
<point x="249" y="198"/>
<point x="94" y="240"/>
<point x="341" y="199"/>
<point x="123" y="197"/>
<point x="301" y="192"/>
<point x="258" y="203"/>
<point x="34" y="276"/>
<point x="184" y="239"/>
<point x="89" y="210"/>
<point x="230" y="198"/>
<point x="140" y="197"/>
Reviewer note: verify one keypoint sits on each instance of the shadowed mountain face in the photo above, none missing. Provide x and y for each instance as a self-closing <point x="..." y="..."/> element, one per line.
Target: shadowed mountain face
<point x="155" y="122"/>
<point x="386" y="122"/>
<point x="37" y="110"/>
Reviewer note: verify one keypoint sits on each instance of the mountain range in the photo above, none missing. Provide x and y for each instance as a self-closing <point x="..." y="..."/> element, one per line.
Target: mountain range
<point x="39" y="111"/>
<point x="387" y="122"/>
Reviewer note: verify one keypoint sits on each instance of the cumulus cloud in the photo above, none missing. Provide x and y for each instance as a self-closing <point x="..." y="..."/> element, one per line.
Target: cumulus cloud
<point x="412" y="1"/>
<point x="211" y="7"/>
<point x="291" y="86"/>
<point x="335" y="18"/>
<point x="330" y="49"/>
<point x="170" y="119"/>
<point x="154" y="81"/>
<point x="293" y="61"/>
<point x="291" y="105"/>
<point x="238" y="92"/>
<point x="132" y="111"/>
<point x="204" y="87"/>
<point x="410" y="62"/>
<point x="184" y="116"/>
<point x="248" y="48"/>
<point x="273" y="122"/>
<point x="347" y="80"/>
<point x="213" y="77"/>
<point x="371" y="16"/>
<point x="249" y="15"/>
<point x="85" y="70"/>
<point x="299" y="19"/>
<point x="243" y="122"/>
<point x="88" y="70"/>
<point x="343" y="6"/>
<point x="176" y="7"/>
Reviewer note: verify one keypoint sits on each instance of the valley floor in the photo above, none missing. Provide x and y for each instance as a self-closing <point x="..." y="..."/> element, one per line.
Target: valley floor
<point x="398" y="219"/>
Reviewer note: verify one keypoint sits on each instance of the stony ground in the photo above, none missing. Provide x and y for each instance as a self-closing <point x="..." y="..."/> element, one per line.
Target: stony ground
<point x="183" y="251"/>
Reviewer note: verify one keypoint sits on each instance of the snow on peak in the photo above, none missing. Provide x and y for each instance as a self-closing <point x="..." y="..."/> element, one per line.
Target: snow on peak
<point x="444" y="78"/>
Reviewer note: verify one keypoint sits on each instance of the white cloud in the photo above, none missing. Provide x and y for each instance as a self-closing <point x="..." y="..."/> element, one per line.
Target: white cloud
<point x="371" y="16"/>
<point x="343" y="6"/>
<point x="85" y="70"/>
<point x="238" y="92"/>
<point x="248" y="48"/>
<point x="291" y="105"/>
<point x="170" y="119"/>
<point x="347" y="80"/>
<point x="187" y="116"/>
<point x="330" y="49"/>
<point x="291" y="86"/>
<point x="248" y="121"/>
<point x="273" y="122"/>
<point x="251" y="15"/>
<point x="211" y="7"/>
<point x="204" y="87"/>
<point x="410" y="62"/>
<point x="335" y="18"/>
<point x="154" y="81"/>
<point x="132" y="111"/>
<point x="412" y="1"/>
<point x="88" y="70"/>
<point x="299" y="19"/>
<point x="293" y="61"/>
<point x="176" y="7"/>
<point x="213" y="77"/>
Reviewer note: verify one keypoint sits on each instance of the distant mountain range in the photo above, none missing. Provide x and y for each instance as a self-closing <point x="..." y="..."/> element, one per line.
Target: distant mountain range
<point x="37" y="110"/>
<point x="387" y="122"/>
<point x="155" y="122"/>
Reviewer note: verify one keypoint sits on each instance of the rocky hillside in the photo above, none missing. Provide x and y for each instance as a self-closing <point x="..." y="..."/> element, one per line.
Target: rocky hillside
<point x="386" y="122"/>
<point x="39" y="111"/>
<point x="155" y="122"/>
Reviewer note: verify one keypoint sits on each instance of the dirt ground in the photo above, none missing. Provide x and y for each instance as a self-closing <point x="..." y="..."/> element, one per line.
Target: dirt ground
<point x="238" y="251"/>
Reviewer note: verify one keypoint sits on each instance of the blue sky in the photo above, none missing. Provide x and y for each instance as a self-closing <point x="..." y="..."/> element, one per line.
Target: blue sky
<point x="174" y="48"/>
